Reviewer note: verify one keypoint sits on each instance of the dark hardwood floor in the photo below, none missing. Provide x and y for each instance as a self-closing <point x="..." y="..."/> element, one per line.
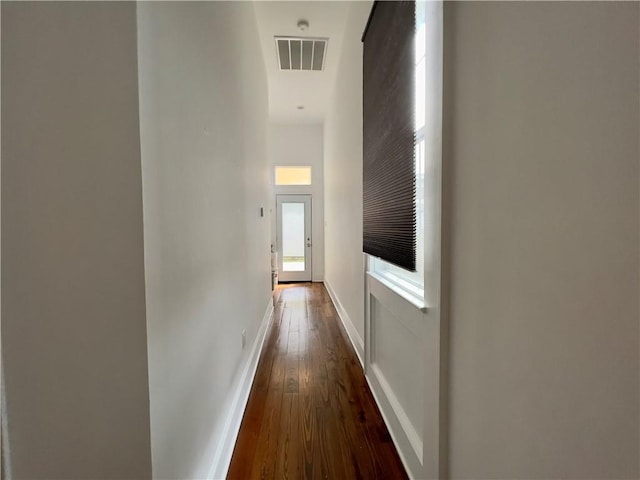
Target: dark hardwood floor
<point x="310" y="412"/>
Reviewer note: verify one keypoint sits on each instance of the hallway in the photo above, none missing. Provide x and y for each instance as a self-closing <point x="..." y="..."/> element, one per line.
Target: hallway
<point x="310" y="413"/>
<point x="490" y="277"/>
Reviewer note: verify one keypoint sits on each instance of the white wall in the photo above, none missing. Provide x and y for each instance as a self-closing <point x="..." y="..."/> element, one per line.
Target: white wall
<point x="4" y="434"/>
<point x="301" y="145"/>
<point x="406" y="345"/>
<point x="541" y="249"/>
<point x="542" y="113"/>
<point x="203" y="109"/>
<point x="73" y="311"/>
<point x="344" y="260"/>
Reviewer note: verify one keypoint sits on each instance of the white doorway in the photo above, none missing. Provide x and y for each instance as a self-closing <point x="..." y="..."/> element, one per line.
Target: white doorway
<point x="293" y="237"/>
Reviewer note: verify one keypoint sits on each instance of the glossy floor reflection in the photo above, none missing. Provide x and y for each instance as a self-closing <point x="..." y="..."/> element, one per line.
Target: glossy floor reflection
<point x="310" y="413"/>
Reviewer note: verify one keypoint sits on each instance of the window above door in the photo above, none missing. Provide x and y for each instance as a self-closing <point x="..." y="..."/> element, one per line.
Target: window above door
<point x="298" y="175"/>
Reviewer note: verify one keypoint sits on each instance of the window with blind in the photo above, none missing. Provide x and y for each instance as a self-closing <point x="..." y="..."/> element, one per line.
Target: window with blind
<point x="389" y="134"/>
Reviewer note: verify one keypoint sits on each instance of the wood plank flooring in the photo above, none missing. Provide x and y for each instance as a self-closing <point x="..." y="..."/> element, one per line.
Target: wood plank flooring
<point x="310" y="413"/>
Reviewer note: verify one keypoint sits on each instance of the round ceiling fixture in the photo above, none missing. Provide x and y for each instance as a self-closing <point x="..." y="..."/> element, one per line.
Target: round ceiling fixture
<point x="303" y="25"/>
<point x="300" y="107"/>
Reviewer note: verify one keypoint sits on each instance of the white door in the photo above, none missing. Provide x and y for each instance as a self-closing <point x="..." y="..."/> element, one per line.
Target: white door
<point x="293" y="218"/>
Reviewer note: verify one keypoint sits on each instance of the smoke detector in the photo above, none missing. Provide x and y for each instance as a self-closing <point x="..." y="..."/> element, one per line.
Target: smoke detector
<point x="301" y="53"/>
<point x="303" y="25"/>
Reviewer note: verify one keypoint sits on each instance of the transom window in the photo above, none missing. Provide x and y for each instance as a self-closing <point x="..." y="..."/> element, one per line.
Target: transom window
<point x="299" y="175"/>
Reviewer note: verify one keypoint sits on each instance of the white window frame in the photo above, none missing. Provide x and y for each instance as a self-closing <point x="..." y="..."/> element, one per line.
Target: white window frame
<point x="411" y="285"/>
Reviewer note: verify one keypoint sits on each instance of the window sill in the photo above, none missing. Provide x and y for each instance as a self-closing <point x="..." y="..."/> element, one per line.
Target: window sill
<point x="397" y="289"/>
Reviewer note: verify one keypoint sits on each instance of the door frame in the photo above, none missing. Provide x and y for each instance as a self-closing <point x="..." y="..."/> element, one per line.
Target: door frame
<point x="307" y="274"/>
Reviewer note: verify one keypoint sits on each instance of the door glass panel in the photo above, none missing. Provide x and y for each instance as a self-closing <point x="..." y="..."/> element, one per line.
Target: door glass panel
<point x="293" y="241"/>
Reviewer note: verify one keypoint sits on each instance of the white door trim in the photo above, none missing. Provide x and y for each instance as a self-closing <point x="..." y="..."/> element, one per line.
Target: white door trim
<point x="293" y="276"/>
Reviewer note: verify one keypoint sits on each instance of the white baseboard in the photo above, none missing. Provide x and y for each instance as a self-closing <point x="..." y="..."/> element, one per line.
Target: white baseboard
<point x="358" y="346"/>
<point x="352" y="333"/>
<point x="384" y="409"/>
<point x="240" y="392"/>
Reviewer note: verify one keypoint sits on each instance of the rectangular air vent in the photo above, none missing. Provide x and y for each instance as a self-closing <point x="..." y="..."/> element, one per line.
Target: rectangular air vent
<point x="298" y="53"/>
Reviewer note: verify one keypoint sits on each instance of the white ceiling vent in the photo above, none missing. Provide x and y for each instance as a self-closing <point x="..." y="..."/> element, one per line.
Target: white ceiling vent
<point x="299" y="53"/>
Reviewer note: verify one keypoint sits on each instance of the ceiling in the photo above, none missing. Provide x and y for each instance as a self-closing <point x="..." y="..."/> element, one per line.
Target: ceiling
<point x="290" y="89"/>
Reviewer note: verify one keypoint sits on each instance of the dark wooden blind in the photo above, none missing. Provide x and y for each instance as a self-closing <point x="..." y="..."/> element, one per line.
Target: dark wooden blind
<point x="389" y="212"/>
